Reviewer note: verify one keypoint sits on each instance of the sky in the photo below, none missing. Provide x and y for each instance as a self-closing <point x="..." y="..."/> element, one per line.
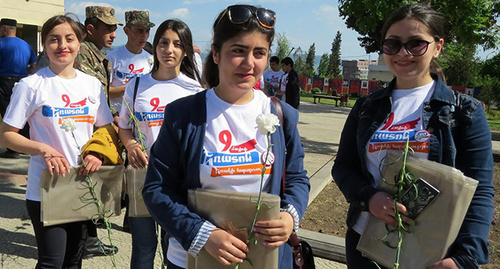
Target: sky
<point x="303" y="22"/>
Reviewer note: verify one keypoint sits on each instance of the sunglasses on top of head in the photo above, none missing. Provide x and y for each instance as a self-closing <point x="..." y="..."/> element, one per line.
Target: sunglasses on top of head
<point x="239" y="14"/>
<point x="415" y="47"/>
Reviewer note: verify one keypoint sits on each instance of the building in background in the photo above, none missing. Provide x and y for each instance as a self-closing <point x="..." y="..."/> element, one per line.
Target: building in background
<point x="379" y="72"/>
<point x="357" y="69"/>
<point x="30" y="16"/>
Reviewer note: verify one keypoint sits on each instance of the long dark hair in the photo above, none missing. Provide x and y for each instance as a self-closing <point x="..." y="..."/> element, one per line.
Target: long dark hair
<point x="186" y="38"/>
<point x="223" y="30"/>
<point x="433" y="20"/>
<point x="60" y="19"/>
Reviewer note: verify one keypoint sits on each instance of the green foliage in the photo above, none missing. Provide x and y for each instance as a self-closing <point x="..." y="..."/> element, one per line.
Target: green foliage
<point x="299" y="63"/>
<point x="459" y="64"/>
<point x="316" y="90"/>
<point x="334" y="61"/>
<point x="283" y="47"/>
<point x="323" y="66"/>
<point x="491" y="66"/>
<point x="490" y="93"/>
<point x="493" y="117"/>
<point x="309" y="65"/>
<point x="470" y="22"/>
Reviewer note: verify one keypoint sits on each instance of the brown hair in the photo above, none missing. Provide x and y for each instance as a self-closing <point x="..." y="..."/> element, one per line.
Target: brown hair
<point x="433" y="20"/>
<point x="60" y="19"/>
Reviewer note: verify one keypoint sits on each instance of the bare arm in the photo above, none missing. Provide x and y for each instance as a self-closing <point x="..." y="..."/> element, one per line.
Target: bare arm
<point x="136" y="156"/>
<point x="55" y="161"/>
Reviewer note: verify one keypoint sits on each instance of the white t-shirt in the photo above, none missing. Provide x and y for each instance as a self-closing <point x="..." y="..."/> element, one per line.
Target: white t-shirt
<point x="233" y="152"/>
<point x="404" y="122"/>
<point x="273" y="77"/>
<point x="125" y="66"/>
<point x="152" y="97"/>
<point x="44" y="100"/>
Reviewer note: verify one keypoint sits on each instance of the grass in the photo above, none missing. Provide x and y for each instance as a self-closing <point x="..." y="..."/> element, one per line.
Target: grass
<point x="493" y="116"/>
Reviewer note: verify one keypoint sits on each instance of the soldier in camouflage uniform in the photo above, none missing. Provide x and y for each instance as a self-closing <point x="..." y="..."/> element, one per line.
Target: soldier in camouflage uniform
<point x="100" y="24"/>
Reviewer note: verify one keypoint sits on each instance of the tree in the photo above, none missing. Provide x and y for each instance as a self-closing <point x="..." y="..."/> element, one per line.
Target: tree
<point x="283" y="48"/>
<point x="470" y="22"/>
<point x="311" y="55"/>
<point x="334" y="62"/>
<point x="459" y="64"/>
<point x="323" y="66"/>
<point x="299" y="62"/>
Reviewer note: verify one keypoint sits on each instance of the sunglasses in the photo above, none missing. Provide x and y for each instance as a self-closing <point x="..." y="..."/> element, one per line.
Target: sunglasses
<point x="415" y="47"/>
<point x="239" y="14"/>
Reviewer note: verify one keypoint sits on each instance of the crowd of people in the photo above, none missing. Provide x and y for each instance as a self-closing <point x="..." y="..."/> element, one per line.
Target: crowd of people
<point x="173" y="115"/>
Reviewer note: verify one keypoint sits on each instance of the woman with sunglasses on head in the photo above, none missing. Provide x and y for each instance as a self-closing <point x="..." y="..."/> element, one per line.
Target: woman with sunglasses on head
<point x="46" y="100"/>
<point x="174" y="76"/>
<point x="212" y="123"/>
<point x="416" y="101"/>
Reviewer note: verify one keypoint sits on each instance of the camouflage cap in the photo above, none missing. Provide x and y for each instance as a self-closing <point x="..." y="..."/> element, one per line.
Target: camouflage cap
<point x="105" y="14"/>
<point x="138" y="18"/>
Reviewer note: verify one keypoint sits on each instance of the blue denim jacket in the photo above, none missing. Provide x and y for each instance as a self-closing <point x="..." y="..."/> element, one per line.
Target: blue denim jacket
<point x="460" y="137"/>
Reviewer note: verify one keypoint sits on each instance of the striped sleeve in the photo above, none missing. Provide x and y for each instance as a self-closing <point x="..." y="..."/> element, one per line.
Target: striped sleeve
<point x="201" y="238"/>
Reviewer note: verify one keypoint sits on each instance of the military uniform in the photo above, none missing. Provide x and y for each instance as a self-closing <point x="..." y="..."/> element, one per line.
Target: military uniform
<point x="91" y="60"/>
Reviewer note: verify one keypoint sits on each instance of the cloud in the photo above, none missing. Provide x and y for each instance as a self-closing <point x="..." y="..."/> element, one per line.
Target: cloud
<point x="181" y="13"/>
<point x="196" y="2"/>
<point x="79" y="9"/>
<point x="328" y="14"/>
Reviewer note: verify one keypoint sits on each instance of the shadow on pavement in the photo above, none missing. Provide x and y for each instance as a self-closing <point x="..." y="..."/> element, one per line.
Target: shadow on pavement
<point x="319" y="147"/>
<point x="307" y="107"/>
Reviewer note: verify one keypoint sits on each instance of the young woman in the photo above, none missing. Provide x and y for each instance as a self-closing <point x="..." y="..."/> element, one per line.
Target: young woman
<point x="174" y="76"/>
<point x="44" y="100"/>
<point x="416" y="101"/>
<point x="212" y="123"/>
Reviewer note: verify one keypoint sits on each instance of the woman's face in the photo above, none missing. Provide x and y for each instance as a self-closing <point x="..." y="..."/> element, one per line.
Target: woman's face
<point x="62" y="45"/>
<point x="169" y="50"/>
<point x="411" y="71"/>
<point x="242" y="60"/>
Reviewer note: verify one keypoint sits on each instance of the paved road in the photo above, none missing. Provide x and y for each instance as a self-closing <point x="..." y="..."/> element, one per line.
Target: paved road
<point x="319" y="126"/>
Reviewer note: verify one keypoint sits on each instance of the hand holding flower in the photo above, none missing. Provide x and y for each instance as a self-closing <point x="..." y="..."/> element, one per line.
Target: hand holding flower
<point x="381" y="205"/>
<point x="93" y="163"/>
<point x="225" y="247"/>
<point x="275" y="232"/>
<point x="137" y="157"/>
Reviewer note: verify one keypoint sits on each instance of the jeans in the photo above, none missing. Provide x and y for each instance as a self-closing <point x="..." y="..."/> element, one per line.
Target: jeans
<point x="144" y="241"/>
<point x="59" y="246"/>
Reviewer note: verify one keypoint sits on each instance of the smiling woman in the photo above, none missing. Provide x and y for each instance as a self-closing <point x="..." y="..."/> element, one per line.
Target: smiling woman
<point x="40" y="100"/>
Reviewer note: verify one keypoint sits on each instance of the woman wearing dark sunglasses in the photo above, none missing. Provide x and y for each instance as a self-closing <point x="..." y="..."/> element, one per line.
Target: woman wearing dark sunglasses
<point x="221" y="122"/>
<point x="442" y="126"/>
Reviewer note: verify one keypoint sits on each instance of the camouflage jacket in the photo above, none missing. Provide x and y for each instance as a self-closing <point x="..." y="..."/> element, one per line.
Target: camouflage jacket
<point x="92" y="61"/>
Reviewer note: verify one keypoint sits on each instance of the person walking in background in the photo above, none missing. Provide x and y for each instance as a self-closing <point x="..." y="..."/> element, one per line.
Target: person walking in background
<point x="213" y="122"/>
<point x="17" y="60"/>
<point x="272" y="76"/>
<point x="290" y="89"/>
<point x="130" y="60"/>
<point x="35" y="100"/>
<point x="100" y="24"/>
<point x="174" y="76"/>
<point x="412" y="40"/>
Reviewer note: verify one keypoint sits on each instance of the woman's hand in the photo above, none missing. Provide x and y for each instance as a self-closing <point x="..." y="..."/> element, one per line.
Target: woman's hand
<point x="55" y="161"/>
<point x="225" y="247"/>
<point x="381" y="205"/>
<point x="92" y="162"/>
<point x="447" y="263"/>
<point x="275" y="232"/>
<point x="136" y="157"/>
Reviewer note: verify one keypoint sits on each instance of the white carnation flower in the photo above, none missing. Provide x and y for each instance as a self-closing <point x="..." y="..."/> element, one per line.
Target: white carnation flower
<point x="68" y="124"/>
<point x="267" y="123"/>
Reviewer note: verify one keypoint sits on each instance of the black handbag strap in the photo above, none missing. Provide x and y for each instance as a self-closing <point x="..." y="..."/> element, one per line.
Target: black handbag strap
<point x="298" y="258"/>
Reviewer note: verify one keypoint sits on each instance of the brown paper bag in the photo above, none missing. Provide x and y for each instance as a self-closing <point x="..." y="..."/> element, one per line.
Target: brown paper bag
<point x="234" y="212"/>
<point x="437" y="226"/>
<point x="135" y="182"/>
<point x="62" y="196"/>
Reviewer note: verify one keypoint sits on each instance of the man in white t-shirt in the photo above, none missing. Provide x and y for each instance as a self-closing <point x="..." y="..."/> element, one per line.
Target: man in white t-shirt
<point x="272" y="76"/>
<point x="131" y="60"/>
